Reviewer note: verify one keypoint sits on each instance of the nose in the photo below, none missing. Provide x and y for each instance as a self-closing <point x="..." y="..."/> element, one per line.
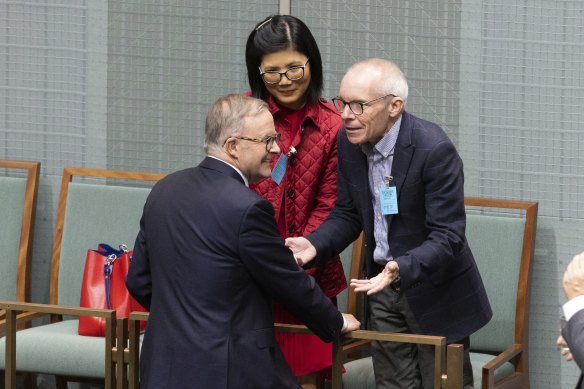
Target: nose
<point x="346" y="113"/>
<point x="275" y="149"/>
<point x="284" y="80"/>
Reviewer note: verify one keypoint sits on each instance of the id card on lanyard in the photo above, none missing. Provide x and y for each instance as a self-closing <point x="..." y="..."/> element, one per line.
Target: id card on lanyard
<point x="279" y="169"/>
<point x="388" y="197"/>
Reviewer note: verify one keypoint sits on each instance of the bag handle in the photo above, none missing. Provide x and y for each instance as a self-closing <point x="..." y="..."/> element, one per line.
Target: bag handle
<point x="107" y="272"/>
<point x="112" y="255"/>
<point x="107" y="250"/>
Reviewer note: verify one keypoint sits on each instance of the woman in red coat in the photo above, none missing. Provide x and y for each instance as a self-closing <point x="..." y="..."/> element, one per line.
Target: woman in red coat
<point x="285" y="69"/>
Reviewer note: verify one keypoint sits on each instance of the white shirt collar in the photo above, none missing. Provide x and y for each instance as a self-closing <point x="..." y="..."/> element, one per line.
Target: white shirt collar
<point x="236" y="169"/>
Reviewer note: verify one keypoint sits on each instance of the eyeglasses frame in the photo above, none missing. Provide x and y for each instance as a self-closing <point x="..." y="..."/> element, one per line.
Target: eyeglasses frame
<point x="284" y="73"/>
<point x="268" y="140"/>
<point x="363" y="105"/>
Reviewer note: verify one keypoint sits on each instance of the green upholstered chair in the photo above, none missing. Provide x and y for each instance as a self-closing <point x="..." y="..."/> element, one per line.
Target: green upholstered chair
<point x="18" y="193"/>
<point x="95" y="206"/>
<point x="501" y="234"/>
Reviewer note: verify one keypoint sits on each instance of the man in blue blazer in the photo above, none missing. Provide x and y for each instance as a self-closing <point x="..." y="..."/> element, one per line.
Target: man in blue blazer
<point x="209" y="259"/>
<point x="573" y="332"/>
<point x="401" y="181"/>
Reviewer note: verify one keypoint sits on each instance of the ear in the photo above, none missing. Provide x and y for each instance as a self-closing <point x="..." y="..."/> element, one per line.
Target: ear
<point x="231" y="147"/>
<point x="396" y="107"/>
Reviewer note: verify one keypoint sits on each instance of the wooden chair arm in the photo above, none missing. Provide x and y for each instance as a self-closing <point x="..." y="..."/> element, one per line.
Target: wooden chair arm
<point x="32" y="310"/>
<point x="21" y="318"/>
<point x="294" y="328"/>
<point x="354" y="345"/>
<point x="437" y="341"/>
<point x="506" y="356"/>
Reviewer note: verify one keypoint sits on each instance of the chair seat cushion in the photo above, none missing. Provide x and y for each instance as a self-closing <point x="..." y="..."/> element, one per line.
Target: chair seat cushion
<point x="359" y="374"/>
<point x="478" y="360"/>
<point x="57" y="349"/>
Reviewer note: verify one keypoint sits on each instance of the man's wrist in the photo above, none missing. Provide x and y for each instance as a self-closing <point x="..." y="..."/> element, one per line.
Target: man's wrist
<point x="345" y="324"/>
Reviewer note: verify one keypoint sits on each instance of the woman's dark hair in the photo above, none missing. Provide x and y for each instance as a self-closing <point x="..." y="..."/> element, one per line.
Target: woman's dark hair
<point x="277" y="33"/>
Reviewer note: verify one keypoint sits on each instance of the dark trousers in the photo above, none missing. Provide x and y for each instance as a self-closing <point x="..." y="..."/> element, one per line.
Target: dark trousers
<point x="404" y="365"/>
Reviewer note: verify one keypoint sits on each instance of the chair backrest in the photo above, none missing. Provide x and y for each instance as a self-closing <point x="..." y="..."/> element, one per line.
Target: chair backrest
<point x="18" y="191"/>
<point x="95" y="206"/>
<point x="501" y="235"/>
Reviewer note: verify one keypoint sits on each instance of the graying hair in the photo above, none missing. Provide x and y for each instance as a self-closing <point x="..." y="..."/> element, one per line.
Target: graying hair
<point x="392" y="79"/>
<point x="227" y="117"/>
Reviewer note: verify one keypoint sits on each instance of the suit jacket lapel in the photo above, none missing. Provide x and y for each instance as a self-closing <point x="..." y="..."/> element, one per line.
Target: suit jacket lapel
<point x="357" y="176"/>
<point x="402" y="156"/>
<point x="404" y="150"/>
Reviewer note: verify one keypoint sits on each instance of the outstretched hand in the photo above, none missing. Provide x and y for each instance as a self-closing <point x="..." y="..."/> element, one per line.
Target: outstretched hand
<point x="302" y="249"/>
<point x="376" y="284"/>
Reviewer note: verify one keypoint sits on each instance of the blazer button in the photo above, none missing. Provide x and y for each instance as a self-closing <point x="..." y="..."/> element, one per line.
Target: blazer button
<point x="291" y="228"/>
<point x="291" y="193"/>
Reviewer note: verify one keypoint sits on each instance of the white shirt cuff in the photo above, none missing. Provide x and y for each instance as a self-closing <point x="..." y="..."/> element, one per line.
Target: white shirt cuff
<point x="573" y="306"/>
<point x="344" y="325"/>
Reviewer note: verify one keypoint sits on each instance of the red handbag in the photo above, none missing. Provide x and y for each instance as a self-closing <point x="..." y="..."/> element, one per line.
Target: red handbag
<point x="104" y="287"/>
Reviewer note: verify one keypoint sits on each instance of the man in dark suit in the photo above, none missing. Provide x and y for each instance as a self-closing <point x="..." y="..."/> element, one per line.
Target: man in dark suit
<point x="401" y="181"/>
<point x="209" y="259"/>
<point x="573" y="331"/>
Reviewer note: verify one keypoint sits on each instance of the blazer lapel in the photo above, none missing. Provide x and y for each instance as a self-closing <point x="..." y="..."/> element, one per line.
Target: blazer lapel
<point x="358" y="179"/>
<point x="402" y="156"/>
<point x="404" y="150"/>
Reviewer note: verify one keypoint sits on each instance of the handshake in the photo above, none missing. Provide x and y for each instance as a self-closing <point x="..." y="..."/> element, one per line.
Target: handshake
<point x="304" y="252"/>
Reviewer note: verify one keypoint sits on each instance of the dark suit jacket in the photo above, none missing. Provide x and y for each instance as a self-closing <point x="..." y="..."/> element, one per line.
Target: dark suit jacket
<point x="438" y="273"/>
<point x="207" y="262"/>
<point x="573" y="334"/>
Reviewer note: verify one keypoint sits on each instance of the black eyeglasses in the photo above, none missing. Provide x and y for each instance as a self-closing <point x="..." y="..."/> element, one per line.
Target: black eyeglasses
<point x="355" y="106"/>
<point x="295" y="73"/>
<point x="268" y="140"/>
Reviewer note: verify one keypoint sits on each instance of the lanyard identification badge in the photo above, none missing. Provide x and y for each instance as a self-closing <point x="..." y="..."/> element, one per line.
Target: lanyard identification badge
<point x="279" y="169"/>
<point x="388" y="197"/>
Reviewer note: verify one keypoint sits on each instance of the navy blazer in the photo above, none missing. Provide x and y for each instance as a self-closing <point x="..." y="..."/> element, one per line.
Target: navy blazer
<point x="573" y="334"/>
<point x="438" y="273"/>
<point x="207" y="261"/>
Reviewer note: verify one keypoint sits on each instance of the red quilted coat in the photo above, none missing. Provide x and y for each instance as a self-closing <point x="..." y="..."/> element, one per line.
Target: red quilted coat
<point x="308" y="191"/>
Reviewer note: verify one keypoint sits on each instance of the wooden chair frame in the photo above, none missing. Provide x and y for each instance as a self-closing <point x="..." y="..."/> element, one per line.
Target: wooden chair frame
<point x="448" y="371"/>
<point x="516" y="353"/>
<point x="68" y="174"/>
<point x="12" y="308"/>
<point x="451" y="378"/>
<point x="114" y="355"/>
<point x="27" y="230"/>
